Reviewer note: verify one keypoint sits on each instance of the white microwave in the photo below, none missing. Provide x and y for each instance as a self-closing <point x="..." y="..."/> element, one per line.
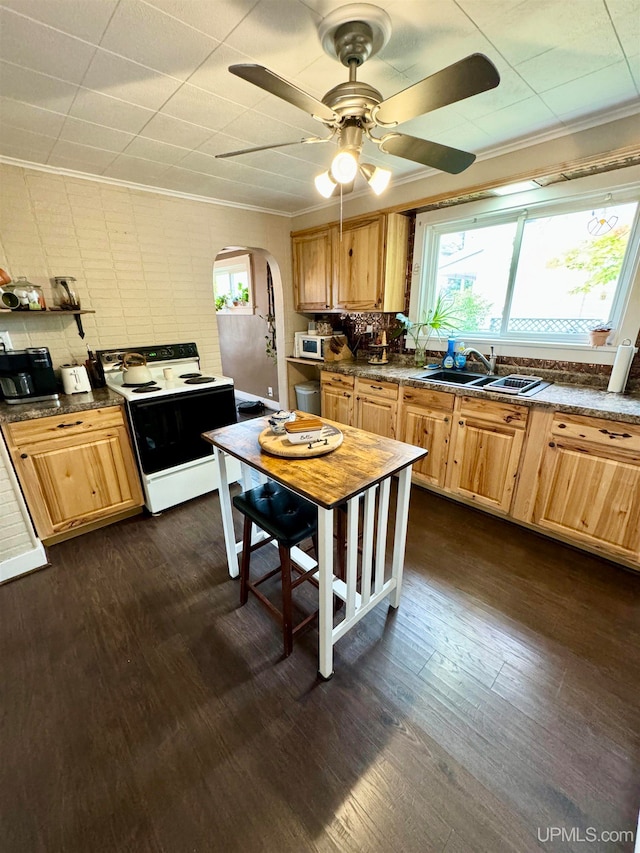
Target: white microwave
<point x="311" y="346"/>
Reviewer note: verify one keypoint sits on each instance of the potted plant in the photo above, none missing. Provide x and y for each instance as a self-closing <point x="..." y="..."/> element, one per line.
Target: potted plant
<point x="440" y="319"/>
<point x="599" y="334"/>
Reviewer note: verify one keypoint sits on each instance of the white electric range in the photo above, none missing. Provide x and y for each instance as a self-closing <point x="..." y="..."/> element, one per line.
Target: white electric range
<point x="168" y="415"/>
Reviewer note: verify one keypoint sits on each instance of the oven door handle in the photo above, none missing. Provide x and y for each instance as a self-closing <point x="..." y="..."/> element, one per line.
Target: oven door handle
<point x="183" y="395"/>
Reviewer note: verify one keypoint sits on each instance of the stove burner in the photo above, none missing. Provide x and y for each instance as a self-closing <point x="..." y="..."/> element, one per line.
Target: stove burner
<point x="190" y="375"/>
<point x="145" y="389"/>
<point x="198" y="379"/>
<point x="139" y="384"/>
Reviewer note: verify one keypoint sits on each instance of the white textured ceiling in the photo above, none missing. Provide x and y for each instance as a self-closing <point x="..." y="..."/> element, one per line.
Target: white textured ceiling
<point x="138" y="90"/>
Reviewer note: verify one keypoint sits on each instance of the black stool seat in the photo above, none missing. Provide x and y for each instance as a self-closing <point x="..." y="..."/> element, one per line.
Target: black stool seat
<point x="286" y="517"/>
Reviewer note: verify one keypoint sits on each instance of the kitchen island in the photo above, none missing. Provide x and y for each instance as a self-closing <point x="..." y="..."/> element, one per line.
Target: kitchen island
<point x="360" y="468"/>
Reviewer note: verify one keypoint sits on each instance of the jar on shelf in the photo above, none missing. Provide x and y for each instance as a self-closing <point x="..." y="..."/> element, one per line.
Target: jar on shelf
<point x="30" y="296"/>
<point x="65" y="295"/>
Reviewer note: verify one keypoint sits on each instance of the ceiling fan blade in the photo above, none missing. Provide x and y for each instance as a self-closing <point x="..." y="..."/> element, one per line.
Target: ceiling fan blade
<point x="275" y="85"/>
<point x="307" y="141"/>
<point x="465" y="78"/>
<point x="433" y="154"/>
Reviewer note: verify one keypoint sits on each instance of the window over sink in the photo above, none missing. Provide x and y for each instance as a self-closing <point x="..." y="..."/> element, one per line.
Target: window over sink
<point x="543" y="268"/>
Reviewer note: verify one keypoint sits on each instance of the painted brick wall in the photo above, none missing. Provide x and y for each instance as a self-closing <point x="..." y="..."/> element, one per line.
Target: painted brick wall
<point x="143" y="261"/>
<point x="15" y="536"/>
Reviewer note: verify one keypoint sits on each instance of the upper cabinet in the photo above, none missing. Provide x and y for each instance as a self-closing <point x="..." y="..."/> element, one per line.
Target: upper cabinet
<point x="362" y="268"/>
<point x="313" y="270"/>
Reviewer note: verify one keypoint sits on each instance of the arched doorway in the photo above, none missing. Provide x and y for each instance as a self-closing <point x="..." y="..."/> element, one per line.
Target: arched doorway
<point x="251" y="332"/>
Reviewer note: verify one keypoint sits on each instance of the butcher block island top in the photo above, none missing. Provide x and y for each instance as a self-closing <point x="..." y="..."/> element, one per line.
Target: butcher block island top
<point x="361" y="460"/>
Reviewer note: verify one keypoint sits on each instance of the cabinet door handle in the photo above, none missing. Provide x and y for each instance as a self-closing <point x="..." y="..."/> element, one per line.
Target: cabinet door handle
<point x="24" y="456"/>
<point x="446" y="420"/>
<point x="552" y="444"/>
<point x="376" y="387"/>
<point x="65" y="426"/>
<point x="461" y="423"/>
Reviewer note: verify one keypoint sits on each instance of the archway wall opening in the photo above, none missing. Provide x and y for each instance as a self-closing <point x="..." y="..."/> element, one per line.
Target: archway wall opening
<point x="246" y="339"/>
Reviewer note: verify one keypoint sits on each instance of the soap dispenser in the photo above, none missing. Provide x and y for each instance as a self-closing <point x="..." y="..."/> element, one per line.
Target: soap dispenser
<point x="449" y="359"/>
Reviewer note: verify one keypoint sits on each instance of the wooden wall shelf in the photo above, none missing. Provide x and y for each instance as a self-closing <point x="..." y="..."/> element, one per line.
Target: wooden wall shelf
<point x="47" y="312"/>
<point x="53" y="312"/>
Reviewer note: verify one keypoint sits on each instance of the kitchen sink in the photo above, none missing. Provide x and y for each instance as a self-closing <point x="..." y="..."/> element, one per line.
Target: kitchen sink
<point x="456" y="377"/>
<point x="524" y="386"/>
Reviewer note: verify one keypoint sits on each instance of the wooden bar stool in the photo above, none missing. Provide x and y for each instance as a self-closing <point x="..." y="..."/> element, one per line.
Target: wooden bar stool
<point x="289" y="520"/>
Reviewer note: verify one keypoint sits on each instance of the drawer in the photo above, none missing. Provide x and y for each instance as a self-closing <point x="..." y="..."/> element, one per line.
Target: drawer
<point x="78" y="423"/>
<point x="373" y="388"/>
<point x="492" y="412"/>
<point x="428" y="399"/>
<point x="611" y="434"/>
<point x="337" y="380"/>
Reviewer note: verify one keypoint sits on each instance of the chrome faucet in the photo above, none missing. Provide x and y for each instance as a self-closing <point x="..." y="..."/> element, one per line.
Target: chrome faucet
<point x="489" y="363"/>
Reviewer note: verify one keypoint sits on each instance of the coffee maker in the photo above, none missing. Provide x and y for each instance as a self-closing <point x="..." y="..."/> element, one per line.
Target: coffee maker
<point x="26" y="375"/>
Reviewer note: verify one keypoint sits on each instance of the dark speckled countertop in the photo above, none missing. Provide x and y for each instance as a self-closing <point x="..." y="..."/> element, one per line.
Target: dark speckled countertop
<point x="67" y="405"/>
<point x="571" y="399"/>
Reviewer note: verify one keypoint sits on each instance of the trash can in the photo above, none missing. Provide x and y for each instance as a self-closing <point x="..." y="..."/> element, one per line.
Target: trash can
<point x="308" y="397"/>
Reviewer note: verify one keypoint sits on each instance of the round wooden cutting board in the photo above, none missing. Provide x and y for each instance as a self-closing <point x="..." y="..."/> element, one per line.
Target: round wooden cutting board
<point x="279" y="445"/>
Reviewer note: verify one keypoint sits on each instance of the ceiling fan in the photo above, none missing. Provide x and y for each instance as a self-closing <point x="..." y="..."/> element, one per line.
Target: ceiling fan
<point x="352" y="110"/>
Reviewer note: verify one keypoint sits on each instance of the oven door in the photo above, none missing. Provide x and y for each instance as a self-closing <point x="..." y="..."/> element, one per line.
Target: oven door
<point x="168" y="430"/>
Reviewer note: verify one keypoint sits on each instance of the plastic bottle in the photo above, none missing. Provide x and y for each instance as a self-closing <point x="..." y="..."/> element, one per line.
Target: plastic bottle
<point x="460" y="357"/>
<point x="449" y="359"/>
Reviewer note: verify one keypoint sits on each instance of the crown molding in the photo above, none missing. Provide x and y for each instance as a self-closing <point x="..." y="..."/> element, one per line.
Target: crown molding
<point x="116" y="182"/>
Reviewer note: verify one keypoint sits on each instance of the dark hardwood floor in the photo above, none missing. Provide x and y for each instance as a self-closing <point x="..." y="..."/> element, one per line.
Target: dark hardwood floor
<point x="142" y="710"/>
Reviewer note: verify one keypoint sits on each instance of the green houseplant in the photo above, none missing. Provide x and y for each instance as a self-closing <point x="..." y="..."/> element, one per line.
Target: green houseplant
<point x="440" y="319"/>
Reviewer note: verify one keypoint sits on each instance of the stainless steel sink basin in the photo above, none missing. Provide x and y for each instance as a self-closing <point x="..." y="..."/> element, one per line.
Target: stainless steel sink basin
<point x="523" y="386"/>
<point x="456" y="377"/>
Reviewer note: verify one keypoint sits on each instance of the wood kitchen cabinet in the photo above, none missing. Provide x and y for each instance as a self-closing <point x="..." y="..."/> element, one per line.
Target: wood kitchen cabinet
<point x="425" y="420"/>
<point x="361" y="268"/>
<point x="376" y="406"/>
<point x="486" y="443"/>
<point x="588" y="484"/>
<point x="337" y="397"/>
<point x="313" y="269"/>
<point x="75" y="470"/>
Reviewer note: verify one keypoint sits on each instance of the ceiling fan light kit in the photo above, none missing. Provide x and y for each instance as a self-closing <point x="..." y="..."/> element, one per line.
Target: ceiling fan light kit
<point x="377" y="177"/>
<point x="352" y="110"/>
<point x="325" y="184"/>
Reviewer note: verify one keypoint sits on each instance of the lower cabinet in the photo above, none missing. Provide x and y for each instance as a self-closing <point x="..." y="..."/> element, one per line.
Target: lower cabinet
<point x="486" y="443"/>
<point x="425" y="420"/>
<point x="337" y="393"/>
<point x="75" y="470"/>
<point x="588" y="487"/>
<point x="575" y="477"/>
<point x="376" y="406"/>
